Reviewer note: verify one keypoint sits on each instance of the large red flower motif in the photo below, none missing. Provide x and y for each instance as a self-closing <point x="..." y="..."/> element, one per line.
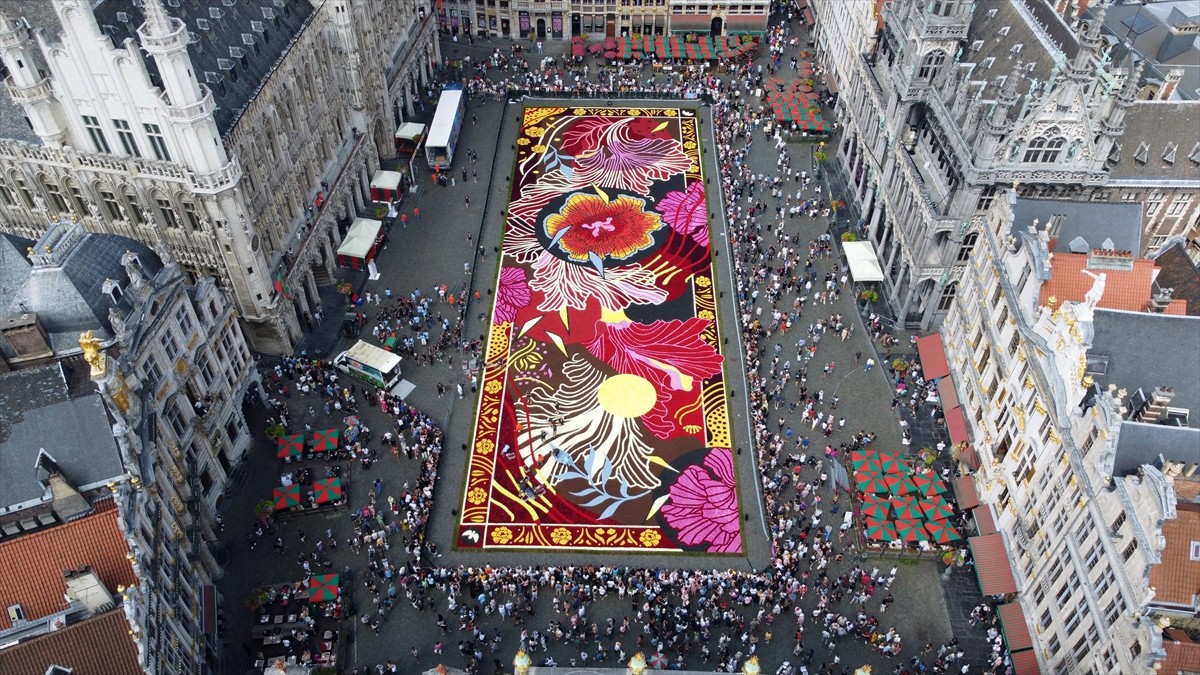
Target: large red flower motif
<point x="590" y="227"/>
<point x="703" y="507"/>
<point x="671" y="355"/>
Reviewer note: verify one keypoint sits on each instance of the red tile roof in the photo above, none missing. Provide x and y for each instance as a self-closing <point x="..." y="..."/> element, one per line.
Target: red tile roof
<point x="1176" y="579"/>
<point x="965" y="493"/>
<point x="933" y="357"/>
<point x="992" y="566"/>
<point x="98" y="646"/>
<point x="1126" y="290"/>
<point x="32" y="572"/>
<point x="985" y="522"/>
<point x="1026" y="663"/>
<point x="1182" y="655"/>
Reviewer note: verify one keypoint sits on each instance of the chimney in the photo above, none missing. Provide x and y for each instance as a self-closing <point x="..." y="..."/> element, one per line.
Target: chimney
<point x="1156" y="408"/>
<point x="1160" y="300"/>
<point x="1109" y="259"/>
<point x="1168" y="88"/>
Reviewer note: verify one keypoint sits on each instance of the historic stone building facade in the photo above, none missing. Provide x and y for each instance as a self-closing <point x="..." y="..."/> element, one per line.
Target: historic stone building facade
<point x="953" y="101"/>
<point x="564" y="19"/>
<point x="212" y="126"/>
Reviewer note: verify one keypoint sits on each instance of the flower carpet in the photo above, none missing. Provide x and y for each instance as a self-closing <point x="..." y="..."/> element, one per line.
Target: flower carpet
<point x="602" y="421"/>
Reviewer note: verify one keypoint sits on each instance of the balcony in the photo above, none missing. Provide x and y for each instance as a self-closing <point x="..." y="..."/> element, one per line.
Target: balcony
<point x="192" y="112"/>
<point x="25" y="95"/>
<point x="222" y="179"/>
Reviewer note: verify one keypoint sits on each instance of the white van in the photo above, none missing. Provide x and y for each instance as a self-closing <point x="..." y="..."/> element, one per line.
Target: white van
<point x="370" y="364"/>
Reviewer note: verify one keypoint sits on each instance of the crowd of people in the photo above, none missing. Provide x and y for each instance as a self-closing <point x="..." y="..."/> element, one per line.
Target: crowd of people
<point x="816" y="595"/>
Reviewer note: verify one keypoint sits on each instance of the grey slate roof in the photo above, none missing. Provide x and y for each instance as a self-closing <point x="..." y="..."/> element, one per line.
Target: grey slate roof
<point x="68" y="298"/>
<point x="1159" y="124"/>
<point x="79" y="437"/>
<point x="1094" y="222"/>
<point x="1154" y="39"/>
<point x="242" y="39"/>
<point x="1033" y="56"/>
<point x="1141" y="443"/>
<point x="1150" y="350"/>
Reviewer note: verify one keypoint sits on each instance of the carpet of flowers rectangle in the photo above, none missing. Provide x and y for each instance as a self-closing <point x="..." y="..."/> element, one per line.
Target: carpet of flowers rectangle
<point x="602" y="421"/>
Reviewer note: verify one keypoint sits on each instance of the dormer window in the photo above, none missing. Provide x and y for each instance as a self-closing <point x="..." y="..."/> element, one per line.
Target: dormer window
<point x="1169" y="152"/>
<point x="1143" y="153"/>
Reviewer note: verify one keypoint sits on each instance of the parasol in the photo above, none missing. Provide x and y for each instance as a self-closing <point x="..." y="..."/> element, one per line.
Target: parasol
<point x="879" y="530"/>
<point x="325" y="440"/>
<point x="290" y="446"/>
<point x="870" y="484"/>
<point x="941" y="532"/>
<point x="323" y="588"/>
<point x="610" y="54"/>
<point x="936" y="511"/>
<point x="910" y="530"/>
<point x="899" y="485"/>
<point x="351" y="421"/>
<point x="904" y="508"/>
<point x="287" y="497"/>
<point x="328" y="490"/>
<point x="658" y="661"/>
<point x="876" y="510"/>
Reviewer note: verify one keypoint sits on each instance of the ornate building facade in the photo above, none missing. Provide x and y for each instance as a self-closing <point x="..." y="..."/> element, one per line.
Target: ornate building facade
<point x="1076" y="377"/>
<point x="953" y="101"/>
<point x="212" y="126"/>
<point x="564" y="19"/>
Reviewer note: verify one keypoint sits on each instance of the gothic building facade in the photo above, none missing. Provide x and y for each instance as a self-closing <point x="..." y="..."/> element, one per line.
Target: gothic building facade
<point x="950" y="102"/>
<point x="212" y="126"/>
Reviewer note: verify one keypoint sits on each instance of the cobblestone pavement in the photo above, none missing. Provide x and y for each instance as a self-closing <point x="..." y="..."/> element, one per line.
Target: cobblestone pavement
<point x="433" y="250"/>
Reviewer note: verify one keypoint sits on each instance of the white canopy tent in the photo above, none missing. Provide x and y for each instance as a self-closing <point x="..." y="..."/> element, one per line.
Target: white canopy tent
<point x="410" y="131"/>
<point x="360" y="239"/>
<point x="864" y="265"/>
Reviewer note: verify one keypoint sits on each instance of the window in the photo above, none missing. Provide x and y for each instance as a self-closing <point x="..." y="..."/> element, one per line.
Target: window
<point x="132" y="208"/>
<point x="1042" y="150"/>
<point x="77" y="200"/>
<point x="1120" y="520"/>
<point x="1047" y="618"/>
<point x="931" y="64"/>
<point x="183" y="320"/>
<point x="128" y="142"/>
<point x="168" y="212"/>
<point x="7" y="198"/>
<point x="1080" y="650"/>
<point x="108" y="201"/>
<point x="941" y="7"/>
<point x="157" y="142"/>
<point x="1194" y="551"/>
<point x="176" y="419"/>
<point x="189" y="214"/>
<point x="93" y="128"/>
<point x="947" y="299"/>
<point x="57" y="203"/>
<point x="153" y="372"/>
<point x="968" y="245"/>
<point x="1179" y="206"/>
<point x="1129" y="550"/>
<point x="169" y="345"/>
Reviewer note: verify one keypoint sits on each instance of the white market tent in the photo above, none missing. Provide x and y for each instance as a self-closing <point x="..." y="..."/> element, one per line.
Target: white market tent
<point x="410" y="131"/>
<point x="864" y="265"/>
<point x="360" y="239"/>
<point x="386" y="180"/>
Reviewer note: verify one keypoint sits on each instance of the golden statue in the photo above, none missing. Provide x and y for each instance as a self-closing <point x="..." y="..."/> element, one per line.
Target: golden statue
<point x="751" y="666"/>
<point x="521" y="662"/>
<point x="90" y="345"/>
<point x="637" y="664"/>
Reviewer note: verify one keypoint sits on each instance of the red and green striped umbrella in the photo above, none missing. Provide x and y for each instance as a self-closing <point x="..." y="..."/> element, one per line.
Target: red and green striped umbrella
<point x="324" y="588"/>
<point x="290" y="446"/>
<point x="905" y="508"/>
<point x="899" y="485"/>
<point x="875" y="510"/>
<point x="936" y="511"/>
<point x="325" y="440"/>
<point x="876" y="530"/>
<point x="287" y="497"/>
<point x="328" y="490"/>
<point x="910" y="530"/>
<point x="870" y="484"/>
<point x="941" y="532"/>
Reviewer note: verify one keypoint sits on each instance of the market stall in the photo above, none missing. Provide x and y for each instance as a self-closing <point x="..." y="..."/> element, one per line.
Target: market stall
<point x="385" y="186"/>
<point x="361" y="243"/>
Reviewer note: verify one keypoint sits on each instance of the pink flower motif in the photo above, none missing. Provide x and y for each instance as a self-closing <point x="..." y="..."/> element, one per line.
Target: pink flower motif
<point x="685" y="213"/>
<point x="703" y="507"/>
<point x="512" y="294"/>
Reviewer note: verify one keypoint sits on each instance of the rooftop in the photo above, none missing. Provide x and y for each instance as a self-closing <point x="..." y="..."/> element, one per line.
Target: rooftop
<point x="32" y="574"/>
<point x="97" y="646"/>
<point x="79" y="440"/>
<point x="1159" y="31"/>
<point x="1001" y="40"/>
<point x="235" y="45"/>
<point x="1176" y="579"/>
<point x="1180" y="273"/>
<point x="1161" y="142"/>
<point x="1097" y="224"/>
<point x="1129" y="290"/>
<point x="1144" y="350"/>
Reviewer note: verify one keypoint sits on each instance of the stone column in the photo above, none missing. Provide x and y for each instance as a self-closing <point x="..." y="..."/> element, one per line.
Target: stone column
<point x="310" y="284"/>
<point x="908" y="298"/>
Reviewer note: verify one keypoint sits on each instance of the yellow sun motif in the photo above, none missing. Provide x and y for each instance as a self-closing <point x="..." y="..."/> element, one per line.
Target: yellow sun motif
<point x="649" y="538"/>
<point x="704" y="314"/>
<point x="485" y="446"/>
<point x="477" y="496"/>
<point x="534" y="132"/>
<point x="626" y="395"/>
<point x="561" y="536"/>
<point x="493" y="387"/>
<point x="539" y="149"/>
<point x="523" y="141"/>
<point x="501" y="535"/>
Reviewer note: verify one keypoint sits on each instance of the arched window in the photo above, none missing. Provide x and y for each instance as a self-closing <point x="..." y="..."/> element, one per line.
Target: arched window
<point x="57" y="204"/>
<point x="133" y="208"/>
<point x="968" y="245"/>
<point x="931" y="65"/>
<point x="1043" y="150"/>
<point x="7" y="198"/>
<point x="947" y="299"/>
<point x="78" y="203"/>
<point x="167" y="210"/>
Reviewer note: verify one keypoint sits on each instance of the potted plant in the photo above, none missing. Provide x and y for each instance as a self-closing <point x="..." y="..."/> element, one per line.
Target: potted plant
<point x="345" y="288"/>
<point x="820" y="156"/>
<point x="846" y="236"/>
<point x="257" y="598"/>
<point x="869" y="296"/>
<point x="380" y="212"/>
